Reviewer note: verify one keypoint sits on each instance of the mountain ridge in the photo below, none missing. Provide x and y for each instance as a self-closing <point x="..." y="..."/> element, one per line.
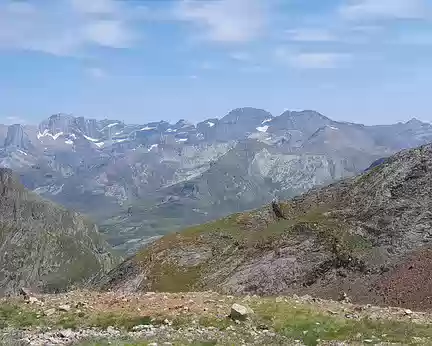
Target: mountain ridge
<point x="121" y="174"/>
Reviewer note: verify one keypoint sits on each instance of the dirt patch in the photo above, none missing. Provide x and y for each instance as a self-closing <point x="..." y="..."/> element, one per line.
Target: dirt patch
<point x="410" y="283"/>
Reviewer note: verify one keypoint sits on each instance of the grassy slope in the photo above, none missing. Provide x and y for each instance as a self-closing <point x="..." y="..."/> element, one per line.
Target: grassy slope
<point x="241" y="236"/>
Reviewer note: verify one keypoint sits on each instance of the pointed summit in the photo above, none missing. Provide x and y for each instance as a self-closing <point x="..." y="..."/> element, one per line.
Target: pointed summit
<point x="415" y="122"/>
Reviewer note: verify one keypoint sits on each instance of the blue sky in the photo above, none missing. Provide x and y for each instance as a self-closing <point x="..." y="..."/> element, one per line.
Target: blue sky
<point x="367" y="61"/>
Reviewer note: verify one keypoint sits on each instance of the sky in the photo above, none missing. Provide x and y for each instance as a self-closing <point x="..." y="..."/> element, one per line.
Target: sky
<point x="367" y="61"/>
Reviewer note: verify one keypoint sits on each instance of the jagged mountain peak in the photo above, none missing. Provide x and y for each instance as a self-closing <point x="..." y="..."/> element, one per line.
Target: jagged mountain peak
<point x="305" y="114"/>
<point x="183" y="122"/>
<point x="246" y="114"/>
<point x="414" y="122"/>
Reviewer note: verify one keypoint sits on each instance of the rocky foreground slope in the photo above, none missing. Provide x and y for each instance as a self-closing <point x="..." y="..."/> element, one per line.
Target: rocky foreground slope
<point x="369" y="236"/>
<point x="44" y="246"/>
<point x="203" y="318"/>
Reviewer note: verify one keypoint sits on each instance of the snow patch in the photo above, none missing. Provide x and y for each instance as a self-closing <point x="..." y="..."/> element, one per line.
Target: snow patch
<point x="100" y="144"/>
<point x="22" y="152"/>
<point x="147" y="128"/>
<point x="91" y="139"/>
<point x="57" y="135"/>
<point x="111" y="125"/>
<point x="121" y="140"/>
<point x="333" y="128"/>
<point x="171" y="130"/>
<point x="153" y="146"/>
<point x="46" y="133"/>
<point x="209" y="123"/>
<point x="181" y="140"/>
<point x="69" y="141"/>
<point x="39" y="135"/>
<point x="266" y="121"/>
<point x="262" y="128"/>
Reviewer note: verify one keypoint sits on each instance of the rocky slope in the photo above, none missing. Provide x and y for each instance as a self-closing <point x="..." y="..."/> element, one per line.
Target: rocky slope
<point x="368" y="236"/>
<point x="139" y="181"/>
<point x="203" y="318"/>
<point x="44" y="246"/>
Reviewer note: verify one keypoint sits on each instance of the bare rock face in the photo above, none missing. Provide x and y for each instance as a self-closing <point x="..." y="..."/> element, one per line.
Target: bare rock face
<point x="369" y="236"/>
<point x="45" y="247"/>
<point x="16" y="137"/>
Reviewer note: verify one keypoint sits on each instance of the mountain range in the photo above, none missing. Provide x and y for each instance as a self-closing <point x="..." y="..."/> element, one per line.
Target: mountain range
<point x="138" y="182"/>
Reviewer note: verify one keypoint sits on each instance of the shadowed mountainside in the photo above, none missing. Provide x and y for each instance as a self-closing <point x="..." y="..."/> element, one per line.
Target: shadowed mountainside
<point x="44" y="246"/>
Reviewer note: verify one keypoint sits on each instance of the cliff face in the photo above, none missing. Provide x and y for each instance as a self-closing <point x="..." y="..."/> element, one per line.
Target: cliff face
<point x="44" y="246"/>
<point x="16" y="137"/>
<point x="369" y="236"/>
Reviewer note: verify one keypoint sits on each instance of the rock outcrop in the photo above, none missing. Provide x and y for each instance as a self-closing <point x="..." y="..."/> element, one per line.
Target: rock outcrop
<point x="16" y="137"/>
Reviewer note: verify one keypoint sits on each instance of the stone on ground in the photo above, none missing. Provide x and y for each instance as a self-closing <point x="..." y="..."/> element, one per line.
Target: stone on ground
<point x="240" y="312"/>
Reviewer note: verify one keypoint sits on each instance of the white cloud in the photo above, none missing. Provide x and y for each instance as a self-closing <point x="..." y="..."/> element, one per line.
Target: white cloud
<point x="207" y="65"/>
<point x="108" y="33"/>
<point x="367" y="29"/>
<point x="95" y="6"/>
<point x="320" y="60"/>
<point x="254" y="69"/>
<point x="64" y="27"/>
<point x="97" y="72"/>
<point x="241" y="56"/>
<point x="224" y="20"/>
<point x="415" y="39"/>
<point x="383" y="9"/>
<point x="314" y="60"/>
<point x="310" y="35"/>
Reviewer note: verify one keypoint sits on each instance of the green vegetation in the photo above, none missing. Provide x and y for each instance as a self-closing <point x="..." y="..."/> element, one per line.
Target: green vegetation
<point x="172" y="278"/>
<point x="242" y="236"/>
<point x="309" y="325"/>
<point x="16" y="316"/>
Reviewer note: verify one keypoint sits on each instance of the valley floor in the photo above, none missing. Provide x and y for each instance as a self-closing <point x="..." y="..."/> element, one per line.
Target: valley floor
<point x="89" y="318"/>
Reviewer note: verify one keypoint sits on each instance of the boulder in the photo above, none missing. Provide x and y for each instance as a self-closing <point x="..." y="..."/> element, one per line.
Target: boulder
<point x="240" y="312"/>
